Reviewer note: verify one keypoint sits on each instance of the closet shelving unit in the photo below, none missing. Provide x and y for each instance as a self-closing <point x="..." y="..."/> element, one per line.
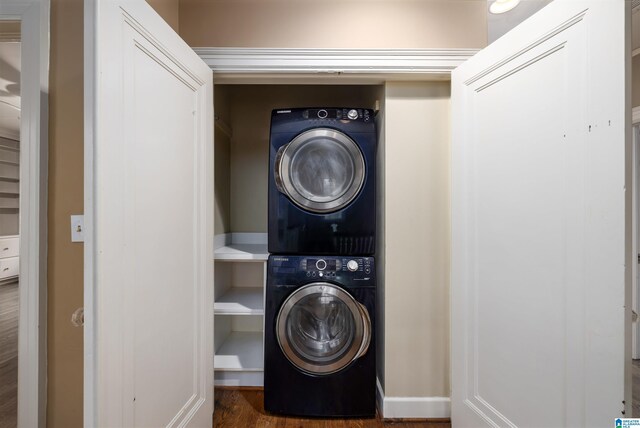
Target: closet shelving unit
<point x="240" y="272"/>
<point x="9" y="179"/>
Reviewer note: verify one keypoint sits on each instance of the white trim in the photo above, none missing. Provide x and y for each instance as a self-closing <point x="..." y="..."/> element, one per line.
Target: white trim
<point x="635" y="115"/>
<point x="635" y="296"/>
<point x="32" y="330"/>
<point x="377" y="62"/>
<point x="90" y="112"/>
<point x="412" y="407"/>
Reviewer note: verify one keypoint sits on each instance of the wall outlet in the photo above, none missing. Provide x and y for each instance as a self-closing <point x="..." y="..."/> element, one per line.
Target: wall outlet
<point x="77" y="228"/>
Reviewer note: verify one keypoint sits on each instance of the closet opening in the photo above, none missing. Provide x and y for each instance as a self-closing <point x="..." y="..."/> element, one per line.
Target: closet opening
<point x="241" y="156"/>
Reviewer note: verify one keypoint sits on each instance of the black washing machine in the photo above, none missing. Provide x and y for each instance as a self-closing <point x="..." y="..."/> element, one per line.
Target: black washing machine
<point x="319" y="336"/>
<point x="322" y="181"/>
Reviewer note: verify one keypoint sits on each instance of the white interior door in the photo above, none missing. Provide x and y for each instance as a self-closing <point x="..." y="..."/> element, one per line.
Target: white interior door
<point x="540" y="134"/>
<point x="149" y="222"/>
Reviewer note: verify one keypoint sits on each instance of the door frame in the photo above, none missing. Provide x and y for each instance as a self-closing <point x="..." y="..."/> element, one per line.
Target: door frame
<point x="34" y="82"/>
<point x="635" y="238"/>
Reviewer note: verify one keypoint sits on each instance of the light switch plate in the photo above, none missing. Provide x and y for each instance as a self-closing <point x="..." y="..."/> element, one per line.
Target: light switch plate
<point x="77" y="228"/>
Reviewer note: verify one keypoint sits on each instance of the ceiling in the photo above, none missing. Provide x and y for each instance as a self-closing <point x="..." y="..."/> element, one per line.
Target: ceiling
<point x="10" y="89"/>
<point x="498" y="25"/>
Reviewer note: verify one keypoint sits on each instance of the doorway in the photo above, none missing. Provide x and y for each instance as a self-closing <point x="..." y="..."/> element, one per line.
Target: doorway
<point x="24" y="76"/>
<point x="10" y="67"/>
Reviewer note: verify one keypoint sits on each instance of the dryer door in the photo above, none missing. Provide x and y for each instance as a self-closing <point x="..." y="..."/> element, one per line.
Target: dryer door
<point x="321" y="329"/>
<point x="322" y="170"/>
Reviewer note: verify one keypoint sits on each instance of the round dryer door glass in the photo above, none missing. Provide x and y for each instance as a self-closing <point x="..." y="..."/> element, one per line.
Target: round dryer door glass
<point x="321" y="329"/>
<point x="321" y="170"/>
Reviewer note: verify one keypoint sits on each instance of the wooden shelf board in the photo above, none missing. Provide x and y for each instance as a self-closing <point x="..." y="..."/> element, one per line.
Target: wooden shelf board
<point x="242" y="252"/>
<point x="9" y="179"/>
<point x="242" y="351"/>
<point x="240" y="301"/>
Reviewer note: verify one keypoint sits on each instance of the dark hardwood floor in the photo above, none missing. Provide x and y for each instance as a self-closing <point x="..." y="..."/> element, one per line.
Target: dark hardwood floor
<point x="239" y="408"/>
<point x="8" y="355"/>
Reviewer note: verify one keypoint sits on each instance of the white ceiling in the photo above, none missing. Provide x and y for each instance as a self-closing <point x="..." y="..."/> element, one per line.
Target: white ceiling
<point x="10" y="90"/>
<point x="498" y="25"/>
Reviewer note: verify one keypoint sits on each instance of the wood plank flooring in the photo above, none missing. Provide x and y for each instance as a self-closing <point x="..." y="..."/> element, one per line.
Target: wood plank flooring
<point x="239" y="408"/>
<point x="8" y="355"/>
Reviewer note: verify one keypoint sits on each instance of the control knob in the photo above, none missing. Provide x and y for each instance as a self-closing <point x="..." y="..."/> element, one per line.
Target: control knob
<point x="352" y="265"/>
<point x="353" y="114"/>
<point x="321" y="265"/>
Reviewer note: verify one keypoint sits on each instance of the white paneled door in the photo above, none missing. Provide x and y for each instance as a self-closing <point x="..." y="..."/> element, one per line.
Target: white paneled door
<point x="540" y="131"/>
<point x="149" y="220"/>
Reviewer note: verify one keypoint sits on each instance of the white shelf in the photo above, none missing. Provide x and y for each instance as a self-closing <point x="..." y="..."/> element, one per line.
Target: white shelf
<point x="240" y="301"/>
<point x="242" y="351"/>
<point x="242" y="252"/>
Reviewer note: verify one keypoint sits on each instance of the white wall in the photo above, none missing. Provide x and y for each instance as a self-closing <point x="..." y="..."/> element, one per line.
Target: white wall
<point x="416" y="243"/>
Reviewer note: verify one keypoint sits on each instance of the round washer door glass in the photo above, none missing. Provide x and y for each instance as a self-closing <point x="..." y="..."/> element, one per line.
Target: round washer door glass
<point x="321" y="170"/>
<point x="321" y="329"/>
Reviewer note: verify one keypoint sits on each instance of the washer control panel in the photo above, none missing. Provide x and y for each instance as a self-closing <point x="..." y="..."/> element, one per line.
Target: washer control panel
<point x="330" y="267"/>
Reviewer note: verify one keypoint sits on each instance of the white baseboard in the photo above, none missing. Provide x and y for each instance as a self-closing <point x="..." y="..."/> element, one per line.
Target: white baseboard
<point x="412" y="407"/>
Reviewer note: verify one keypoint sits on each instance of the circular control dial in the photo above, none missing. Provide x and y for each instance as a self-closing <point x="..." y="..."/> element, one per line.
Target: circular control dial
<point x="353" y="114"/>
<point x="352" y="265"/>
<point x="321" y="265"/>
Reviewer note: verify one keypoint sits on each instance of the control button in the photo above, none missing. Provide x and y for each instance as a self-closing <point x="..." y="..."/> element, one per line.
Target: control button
<point x="322" y="114"/>
<point x="353" y="114"/>
<point x="313" y="274"/>
<point x="352" y="265"/>
<point x="320" y="274"/>
<point x="308" y="273"/>
<point x="367" y="270"/>
<point x="321" y="264"/>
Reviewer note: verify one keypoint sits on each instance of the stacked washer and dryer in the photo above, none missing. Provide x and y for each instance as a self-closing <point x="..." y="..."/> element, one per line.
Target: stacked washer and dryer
<point x="321" y="288"/>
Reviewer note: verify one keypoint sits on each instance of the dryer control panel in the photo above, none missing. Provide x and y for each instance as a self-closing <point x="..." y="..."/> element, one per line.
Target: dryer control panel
<point x="359" y="270"/>
<point x="364" y="115"/>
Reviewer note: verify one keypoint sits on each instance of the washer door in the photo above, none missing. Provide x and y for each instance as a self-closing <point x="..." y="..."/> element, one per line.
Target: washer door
<point x="321" y="329"/>
<point x="321" y="170"/>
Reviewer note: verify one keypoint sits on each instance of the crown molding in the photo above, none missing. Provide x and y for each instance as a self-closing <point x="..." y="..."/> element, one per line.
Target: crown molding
<point x="378" y="62"/>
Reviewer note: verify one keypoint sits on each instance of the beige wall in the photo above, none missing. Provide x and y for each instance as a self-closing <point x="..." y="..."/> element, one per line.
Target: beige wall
<point x="416" y="235"/>
<point x="64" y="342"/>
<point x="222" y="159"/>
<point x="168" y="10"/>
<point x="334" y="23"/>
<point x="65" y="259"/>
